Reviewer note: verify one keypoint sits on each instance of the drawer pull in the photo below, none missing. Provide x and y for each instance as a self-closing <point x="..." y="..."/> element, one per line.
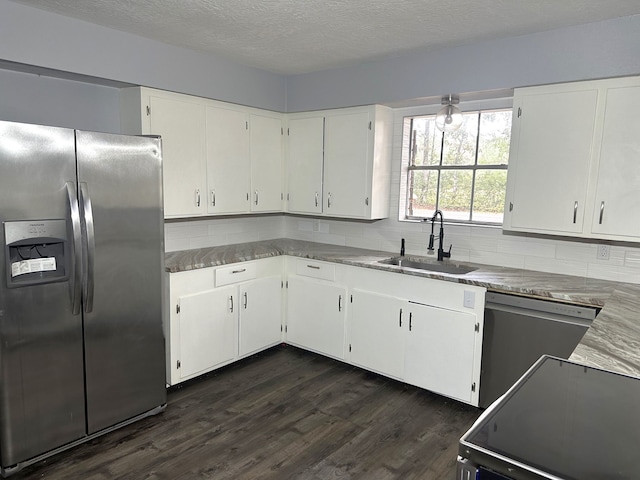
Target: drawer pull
<point x="239" y="271"/>
<point x="314" y="267"/>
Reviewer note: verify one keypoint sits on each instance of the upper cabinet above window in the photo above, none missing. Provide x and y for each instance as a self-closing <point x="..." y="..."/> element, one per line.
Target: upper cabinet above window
<point x="574" y="164"/>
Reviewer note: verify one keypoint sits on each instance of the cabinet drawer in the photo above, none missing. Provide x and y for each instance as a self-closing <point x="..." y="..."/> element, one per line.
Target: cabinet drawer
<point x="238" y="272"/>
<point x="310" y="268"/>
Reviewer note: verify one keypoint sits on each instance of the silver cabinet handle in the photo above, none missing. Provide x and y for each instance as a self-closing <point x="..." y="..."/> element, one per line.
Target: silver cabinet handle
<point x="89" y="234"/>
<point x="245" y="300"/>
<point x="601" y="212"/>
<point x="256" y="201"/>
<point x="339" y="303"/>
<point x="213" y="198"/>
<point x="575" y="211"/>
<point x="239" y="271"/>
<point x="400" y="321"/>
<point x="197" y="197"/>
<point x="76" y="259"/>
<point x="329" y="200"/>
<point x="316" y="199"/>
<point x="231" y="303"/>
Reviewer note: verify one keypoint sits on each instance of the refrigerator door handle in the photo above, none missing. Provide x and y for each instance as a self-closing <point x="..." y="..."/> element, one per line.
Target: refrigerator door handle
<point x="89" y="235"/>
<point x="76" y="248"/>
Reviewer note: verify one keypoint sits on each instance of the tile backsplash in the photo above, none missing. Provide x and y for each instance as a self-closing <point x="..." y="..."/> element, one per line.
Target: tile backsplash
<point x="485" y="245"/>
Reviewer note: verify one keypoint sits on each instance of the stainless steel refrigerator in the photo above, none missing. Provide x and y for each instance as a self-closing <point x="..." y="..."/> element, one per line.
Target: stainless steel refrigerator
<point x="81" y="265"/>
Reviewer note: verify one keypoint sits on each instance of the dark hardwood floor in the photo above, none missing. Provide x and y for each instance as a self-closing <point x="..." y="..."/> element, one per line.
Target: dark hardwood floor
<point x="281" y="414"/>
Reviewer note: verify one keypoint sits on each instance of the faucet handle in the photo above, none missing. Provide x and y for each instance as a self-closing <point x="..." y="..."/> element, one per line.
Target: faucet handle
<point x="447" y="254"/>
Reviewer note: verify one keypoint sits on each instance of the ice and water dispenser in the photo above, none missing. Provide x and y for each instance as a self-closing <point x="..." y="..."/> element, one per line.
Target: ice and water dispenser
<point x="37" y="252"/>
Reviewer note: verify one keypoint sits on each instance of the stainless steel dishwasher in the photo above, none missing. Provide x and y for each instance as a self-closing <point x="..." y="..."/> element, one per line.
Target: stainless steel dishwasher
<point x="518" y="330"/>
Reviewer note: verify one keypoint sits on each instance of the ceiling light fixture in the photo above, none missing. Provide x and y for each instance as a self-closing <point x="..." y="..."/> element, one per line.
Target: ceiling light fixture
<point x="449" y="118"/>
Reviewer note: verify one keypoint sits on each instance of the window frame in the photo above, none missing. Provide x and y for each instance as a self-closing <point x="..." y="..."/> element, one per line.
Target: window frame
<point x="406" y="117"/>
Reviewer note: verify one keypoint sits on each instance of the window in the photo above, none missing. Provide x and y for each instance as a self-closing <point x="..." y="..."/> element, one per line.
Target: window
<point x="462" y="173"/>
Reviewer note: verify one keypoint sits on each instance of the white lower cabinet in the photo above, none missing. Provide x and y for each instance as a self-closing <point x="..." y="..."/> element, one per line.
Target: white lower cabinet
<point x="421" y="331"/>
<point x="260" y="314"/>
<point x="377" y="337"/>
<point x="220" y="314"/>
<point x="208" y="330"/>
<point x="440" y="351"/>
<point x="316" y="315"/>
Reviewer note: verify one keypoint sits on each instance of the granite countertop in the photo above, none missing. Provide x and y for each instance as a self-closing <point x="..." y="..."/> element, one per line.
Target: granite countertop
<point x="612" y="342"/>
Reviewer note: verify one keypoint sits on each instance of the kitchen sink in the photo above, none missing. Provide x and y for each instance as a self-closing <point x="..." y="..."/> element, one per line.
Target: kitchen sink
<point x="406" y="262"/>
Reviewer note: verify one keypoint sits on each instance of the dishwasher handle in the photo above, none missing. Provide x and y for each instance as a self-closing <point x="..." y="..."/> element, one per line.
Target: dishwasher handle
<point x="537" y="314"/>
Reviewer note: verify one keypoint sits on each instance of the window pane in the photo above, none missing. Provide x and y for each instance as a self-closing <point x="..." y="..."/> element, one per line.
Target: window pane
<point x="488" y="200"/>
<point x="495" y="135"/>
<point x="455" y="194"/>
<point x="460" y="146"/>
<point x="423" y="190"/>
<point x="426" y="141"/>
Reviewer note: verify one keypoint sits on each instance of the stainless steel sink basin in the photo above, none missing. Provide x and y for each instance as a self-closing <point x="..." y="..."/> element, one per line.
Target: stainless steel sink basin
<point x="407" y="262"/>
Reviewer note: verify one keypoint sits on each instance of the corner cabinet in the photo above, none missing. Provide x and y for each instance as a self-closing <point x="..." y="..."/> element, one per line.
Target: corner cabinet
<point x="573" y="166"/>
<point x="339" y="162"/>
<point x="220" y="314"/>
<point x="316" y="308"/>
<point x="218" y="158"/>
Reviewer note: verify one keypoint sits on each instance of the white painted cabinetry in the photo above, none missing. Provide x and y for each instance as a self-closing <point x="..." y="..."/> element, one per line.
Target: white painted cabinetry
<point x="377" y="336"/>
<point x="267" y="157"/>
<point x="316" y="312"/>
<point x="228" y="161"/>
<point x="218" y="158"/>
<point x="573" y="166"/>
<point x="339" y="162"/>
<point x="220" y="314"/>
<point x="424" y="332"/>
<point x="304" y="165"/>
<point x="181" y="122"/>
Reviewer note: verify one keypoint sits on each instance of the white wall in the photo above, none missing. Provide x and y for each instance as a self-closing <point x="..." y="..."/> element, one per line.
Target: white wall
<point x="35" y="37"/>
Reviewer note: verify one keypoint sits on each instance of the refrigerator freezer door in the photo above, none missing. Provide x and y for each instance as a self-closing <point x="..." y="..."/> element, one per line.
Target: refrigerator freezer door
<point x="121" y="209"/>
<point x="41" y="368"/>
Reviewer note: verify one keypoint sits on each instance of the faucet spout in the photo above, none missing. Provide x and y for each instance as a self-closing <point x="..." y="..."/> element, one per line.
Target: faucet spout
<point x="441" y="253"/>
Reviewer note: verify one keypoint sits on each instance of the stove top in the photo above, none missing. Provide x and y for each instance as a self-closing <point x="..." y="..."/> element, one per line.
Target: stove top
<point x="561" y="420"/>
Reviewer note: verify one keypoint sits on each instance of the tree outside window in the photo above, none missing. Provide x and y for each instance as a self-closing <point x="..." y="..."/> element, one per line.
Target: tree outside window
<point x="462" y="173"/>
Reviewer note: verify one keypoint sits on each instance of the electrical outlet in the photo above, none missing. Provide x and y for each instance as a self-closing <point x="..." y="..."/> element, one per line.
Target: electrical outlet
<point x="603" y="252"/>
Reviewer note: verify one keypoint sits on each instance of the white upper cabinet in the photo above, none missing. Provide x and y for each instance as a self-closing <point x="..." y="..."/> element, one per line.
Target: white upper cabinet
<point x="228" y="161"/>
<point x="617" y="195"/>
<point x="181" y="124"/>
<point x="304" y="165"/>
<point x="551" y="143"/>
<point x="339" y="162"/>
<point x="218" y="158"/>
<point x="266" y="163"/>
<point x="573" y="167"/>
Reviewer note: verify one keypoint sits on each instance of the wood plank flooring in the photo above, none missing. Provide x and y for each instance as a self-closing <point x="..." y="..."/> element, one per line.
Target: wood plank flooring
<point x="282" y="414"/>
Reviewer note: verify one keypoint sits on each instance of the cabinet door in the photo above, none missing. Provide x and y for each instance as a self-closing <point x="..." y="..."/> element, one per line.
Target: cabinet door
<point x="316" y="316"/>
<point x="182" y="128"/>
<point x="440" y="351"/>
<point x="346" y="164"/>
<point x="378" y="324"/>
<point x="551" y="143"/>
<point x="617" y="198"/>
<point x="304" y="166"/>
<point x="208" y="330"/>
<point x="266" y="163"/>
<point x="260" y="314"/>
<point x="228" y="161"/>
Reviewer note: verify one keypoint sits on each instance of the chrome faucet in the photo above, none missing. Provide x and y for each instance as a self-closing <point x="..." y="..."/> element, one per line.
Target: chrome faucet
<point x="441" y="253"/>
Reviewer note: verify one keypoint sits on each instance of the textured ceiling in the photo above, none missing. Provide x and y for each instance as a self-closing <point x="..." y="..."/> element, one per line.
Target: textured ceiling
<point x="299" y="36"/>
